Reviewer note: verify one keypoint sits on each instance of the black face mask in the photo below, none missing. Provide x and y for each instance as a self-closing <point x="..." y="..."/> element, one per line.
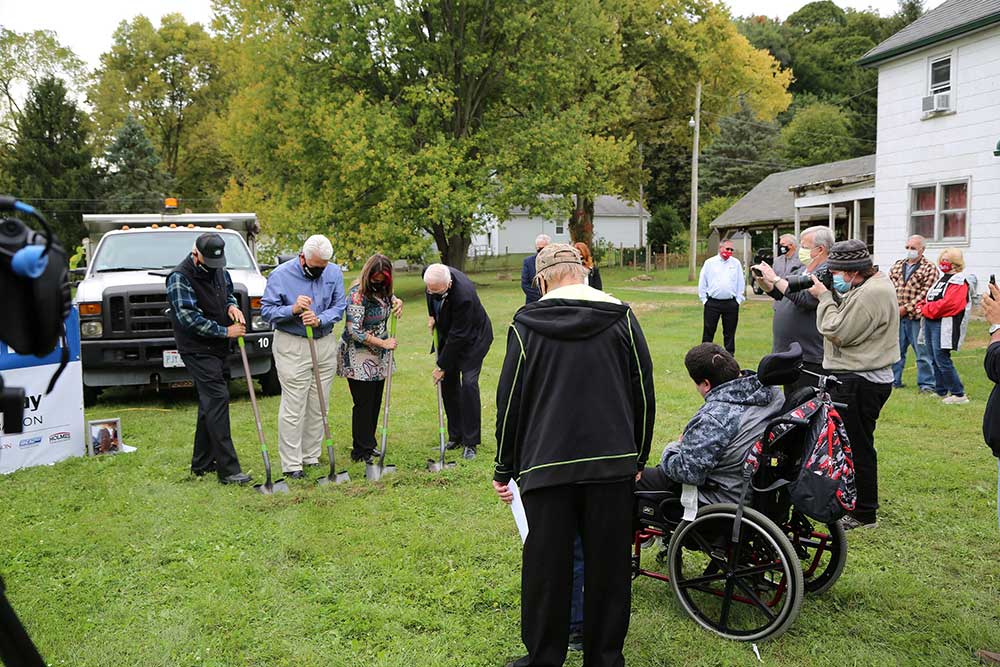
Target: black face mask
<point x="438" y="297"/>
<point x="783" y="250"/>
<point x="312" y="272"/>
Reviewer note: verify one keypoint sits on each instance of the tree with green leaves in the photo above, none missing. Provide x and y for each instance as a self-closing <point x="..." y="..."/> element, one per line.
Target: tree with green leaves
<point x="25" y="59"/>
<point x="169" y="78"/>
<point x="135" y="182"/>
<point x="386" y="123"/>
<point x="818" y="133"/>
<point x="50" y="163"/>
<point x="740" y="156"/>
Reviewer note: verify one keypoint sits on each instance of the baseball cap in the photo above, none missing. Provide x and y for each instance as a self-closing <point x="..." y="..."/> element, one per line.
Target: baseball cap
<point x="555" y="254"/>
<point x="212" y="249"/>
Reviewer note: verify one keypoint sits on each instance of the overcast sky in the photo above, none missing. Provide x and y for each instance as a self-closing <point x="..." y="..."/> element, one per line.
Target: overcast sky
<point x="87" y="26"/>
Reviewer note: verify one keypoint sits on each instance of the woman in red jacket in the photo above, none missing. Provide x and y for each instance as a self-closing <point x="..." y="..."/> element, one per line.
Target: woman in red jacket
<point x="946" y="316"/>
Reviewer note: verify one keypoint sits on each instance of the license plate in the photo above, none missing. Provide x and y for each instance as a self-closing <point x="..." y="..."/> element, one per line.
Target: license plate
<point x="172" y="359"/>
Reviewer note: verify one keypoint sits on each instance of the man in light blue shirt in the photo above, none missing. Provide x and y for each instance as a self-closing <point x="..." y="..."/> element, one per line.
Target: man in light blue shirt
<point x="305" y="291"/>
<point x="722" y="288"/>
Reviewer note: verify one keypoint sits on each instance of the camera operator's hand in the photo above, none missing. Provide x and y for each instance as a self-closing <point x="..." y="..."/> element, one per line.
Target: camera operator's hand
<point x="235" y="330"/>
<point x="991" y="305"/>
<point x="767" y="277"/>
<point x="818" y="288"/>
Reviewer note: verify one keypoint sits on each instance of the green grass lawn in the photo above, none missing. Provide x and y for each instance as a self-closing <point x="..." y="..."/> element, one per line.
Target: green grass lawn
<point x="128" y="560"/>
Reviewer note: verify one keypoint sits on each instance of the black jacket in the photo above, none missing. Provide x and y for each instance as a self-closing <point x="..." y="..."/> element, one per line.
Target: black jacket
<point x="991" y="420"/>
<point x="575" y="400"/>
<point x="465" y="332"/>
<point x="212" y="291"/>
<point x="531" y="293"/>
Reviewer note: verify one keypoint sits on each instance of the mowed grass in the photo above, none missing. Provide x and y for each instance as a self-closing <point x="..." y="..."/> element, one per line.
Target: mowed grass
<point x="128" y="560"/>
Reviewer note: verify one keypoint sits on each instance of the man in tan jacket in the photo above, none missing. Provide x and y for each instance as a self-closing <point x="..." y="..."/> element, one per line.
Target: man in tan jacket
<point x="861" y="343"/>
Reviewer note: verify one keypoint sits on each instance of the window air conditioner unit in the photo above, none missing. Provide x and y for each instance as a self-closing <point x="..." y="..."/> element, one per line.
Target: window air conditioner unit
<point x="936" y="102"/>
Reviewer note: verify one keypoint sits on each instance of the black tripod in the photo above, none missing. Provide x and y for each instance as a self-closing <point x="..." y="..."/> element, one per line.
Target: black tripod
<point x="16" y="647"/>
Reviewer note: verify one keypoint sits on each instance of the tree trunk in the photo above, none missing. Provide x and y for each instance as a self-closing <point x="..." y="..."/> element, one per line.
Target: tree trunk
<point x="453" y="248"/>
<point x="581" y="223"/>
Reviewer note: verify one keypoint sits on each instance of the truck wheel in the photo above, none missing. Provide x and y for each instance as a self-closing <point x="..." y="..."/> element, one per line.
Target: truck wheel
<point x="269" y="384"/>
<point x="90" y="395"/>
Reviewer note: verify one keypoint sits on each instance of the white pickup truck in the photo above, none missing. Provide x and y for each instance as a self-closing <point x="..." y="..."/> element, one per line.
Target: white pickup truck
<point x="125" y="334"/>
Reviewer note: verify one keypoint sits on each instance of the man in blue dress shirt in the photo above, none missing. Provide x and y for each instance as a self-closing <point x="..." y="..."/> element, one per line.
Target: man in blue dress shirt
<point x="305" y="291"/>
<point x="722" y="288"/>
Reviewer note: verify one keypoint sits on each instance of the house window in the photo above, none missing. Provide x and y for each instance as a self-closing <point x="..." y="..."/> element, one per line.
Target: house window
<point x="940" y="79"/>
<point x="940" y="212"/>
<point x="560" y="229"/>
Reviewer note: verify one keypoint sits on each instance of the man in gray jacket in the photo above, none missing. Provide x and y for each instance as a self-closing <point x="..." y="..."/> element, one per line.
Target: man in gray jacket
<point x="795" y="311"/>
<point x="716" y="440"/>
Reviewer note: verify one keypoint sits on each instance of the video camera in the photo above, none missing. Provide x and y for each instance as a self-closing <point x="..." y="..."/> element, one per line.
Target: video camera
<point x="805" y="280"/>
<point x="34" y="281"/>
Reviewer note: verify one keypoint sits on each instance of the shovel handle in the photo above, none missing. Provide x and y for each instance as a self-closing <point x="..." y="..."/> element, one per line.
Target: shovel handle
<point x="309" y="332"/>
<point x="253" y="394"/>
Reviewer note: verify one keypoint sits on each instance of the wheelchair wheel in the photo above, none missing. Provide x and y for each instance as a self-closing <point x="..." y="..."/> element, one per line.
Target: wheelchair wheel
<point x="822" y="551"/>
<point x="749" y="593"/>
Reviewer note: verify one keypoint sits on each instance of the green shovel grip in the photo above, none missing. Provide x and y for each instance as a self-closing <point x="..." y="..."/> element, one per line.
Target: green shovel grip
<point x="392" y="327"/>
<point x="328" y="443"/>
<point x="309" y="332"/>
<point x="239" y="340"/>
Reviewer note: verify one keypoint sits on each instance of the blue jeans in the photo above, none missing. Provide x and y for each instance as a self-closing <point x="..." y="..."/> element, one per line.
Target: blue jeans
<point x="909" y="332"/>
<point x="945" y="376"/>
<point x="576" y="606"/>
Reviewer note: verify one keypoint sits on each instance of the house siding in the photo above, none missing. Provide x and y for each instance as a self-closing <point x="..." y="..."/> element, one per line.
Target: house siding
<point x="916" y="151"/>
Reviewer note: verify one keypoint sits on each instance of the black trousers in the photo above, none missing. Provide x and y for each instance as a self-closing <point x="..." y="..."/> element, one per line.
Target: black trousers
<point x="367" y="396"/>
<point x="864" y="401"/>
<point x="460" y="392"/>
<point x="602" y="513"/>
<point x="213" y="444"/>
<point x="729" y="311"/>
<point x="805" y="380"/>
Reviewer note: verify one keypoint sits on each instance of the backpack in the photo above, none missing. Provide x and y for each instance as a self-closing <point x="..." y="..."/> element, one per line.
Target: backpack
<point x="824" y="489"/>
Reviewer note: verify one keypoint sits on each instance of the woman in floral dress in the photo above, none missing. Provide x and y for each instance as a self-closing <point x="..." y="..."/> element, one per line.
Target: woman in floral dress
<point x="363" y="354"/>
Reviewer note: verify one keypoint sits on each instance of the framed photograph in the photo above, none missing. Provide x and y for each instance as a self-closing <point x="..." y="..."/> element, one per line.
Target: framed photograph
<point x="104" y="436"/>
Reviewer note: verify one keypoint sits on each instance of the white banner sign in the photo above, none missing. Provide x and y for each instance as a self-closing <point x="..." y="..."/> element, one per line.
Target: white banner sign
<point x="53" y="425"/>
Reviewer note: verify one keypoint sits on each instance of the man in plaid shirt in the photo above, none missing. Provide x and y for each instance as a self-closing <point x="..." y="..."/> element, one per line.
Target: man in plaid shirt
<point x="912" y="277"/>
<point x="205" y="315"/>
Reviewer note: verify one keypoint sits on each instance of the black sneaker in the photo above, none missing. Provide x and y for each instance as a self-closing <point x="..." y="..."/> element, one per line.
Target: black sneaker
<point x="201" y="472"/>
<point x="575" y="641"/>
<point x="850" y="523"/>
<point x="469" y="453"/>
<point x="240" y="478"/>
<point x="295" y="474"/>
<point x="452" y="444"/>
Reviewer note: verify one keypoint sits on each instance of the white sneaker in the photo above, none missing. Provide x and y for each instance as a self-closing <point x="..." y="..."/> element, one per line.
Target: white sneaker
<point x="955" y="400"/>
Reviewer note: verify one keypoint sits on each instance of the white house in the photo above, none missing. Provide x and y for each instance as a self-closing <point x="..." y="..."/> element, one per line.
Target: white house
<point x="937" y="167"/>
<point x="616" y="221"/>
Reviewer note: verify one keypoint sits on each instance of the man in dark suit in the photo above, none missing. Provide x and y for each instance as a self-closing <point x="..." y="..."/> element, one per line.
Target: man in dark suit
<point x="465" y="334"/>
<point x="531" y="293"/>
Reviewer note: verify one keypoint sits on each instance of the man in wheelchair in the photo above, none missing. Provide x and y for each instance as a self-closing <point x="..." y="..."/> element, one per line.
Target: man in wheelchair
<point x="711" y="452"/>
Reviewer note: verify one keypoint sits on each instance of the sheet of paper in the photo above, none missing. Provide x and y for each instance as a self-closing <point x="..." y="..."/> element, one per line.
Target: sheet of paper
<point x="689" y="500"/>
<point x="517" y="508"/>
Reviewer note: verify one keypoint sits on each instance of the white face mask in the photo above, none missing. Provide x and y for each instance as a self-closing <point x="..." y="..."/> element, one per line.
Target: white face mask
<point x="805" y="255"/>
<point x="912" y="254"/>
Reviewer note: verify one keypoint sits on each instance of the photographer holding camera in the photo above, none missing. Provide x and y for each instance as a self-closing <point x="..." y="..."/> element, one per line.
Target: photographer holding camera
<point x="861" y="344"/>
<point x="795" y="308"/>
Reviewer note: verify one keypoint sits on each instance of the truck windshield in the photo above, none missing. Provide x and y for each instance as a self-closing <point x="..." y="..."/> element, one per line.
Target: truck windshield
<point x="162" y="250"/>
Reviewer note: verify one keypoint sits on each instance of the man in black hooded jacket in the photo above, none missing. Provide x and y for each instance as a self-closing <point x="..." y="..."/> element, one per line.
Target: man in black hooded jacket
<point x="575" y="469"/>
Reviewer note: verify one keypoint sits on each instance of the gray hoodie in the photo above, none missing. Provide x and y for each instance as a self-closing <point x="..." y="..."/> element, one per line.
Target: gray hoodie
<point x="716" y="440"/>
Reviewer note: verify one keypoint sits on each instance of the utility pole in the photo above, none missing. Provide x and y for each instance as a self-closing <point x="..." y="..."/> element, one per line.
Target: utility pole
<point x="696" y="124"/>
<point x="642" y="230"/>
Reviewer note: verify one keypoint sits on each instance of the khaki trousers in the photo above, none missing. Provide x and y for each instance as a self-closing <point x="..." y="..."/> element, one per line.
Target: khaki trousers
<point x="300" y="421"/>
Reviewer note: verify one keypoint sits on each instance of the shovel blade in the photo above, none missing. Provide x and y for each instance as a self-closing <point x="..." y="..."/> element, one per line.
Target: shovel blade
<point x="338" y="478"/>
<point x="374" y="472"/>
<point x="436" y="465"/>
<point x="280" y="486"/>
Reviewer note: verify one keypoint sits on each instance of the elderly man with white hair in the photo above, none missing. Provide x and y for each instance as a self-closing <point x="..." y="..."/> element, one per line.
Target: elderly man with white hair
<point x="305" y="291"/>
<point x="464" y="333"/>
<point x="531" y="292"/>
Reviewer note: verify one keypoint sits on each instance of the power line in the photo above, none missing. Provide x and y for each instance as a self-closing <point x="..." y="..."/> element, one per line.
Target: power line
<point x="771" y="127"/>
